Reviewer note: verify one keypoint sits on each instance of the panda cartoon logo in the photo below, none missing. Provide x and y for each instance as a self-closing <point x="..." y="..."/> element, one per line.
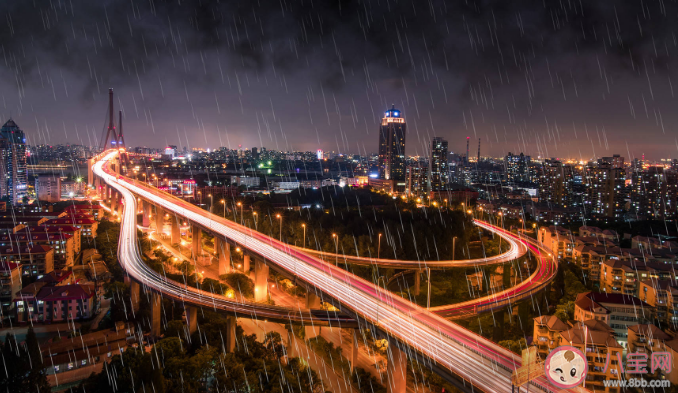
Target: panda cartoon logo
<point x="566" y="367"/>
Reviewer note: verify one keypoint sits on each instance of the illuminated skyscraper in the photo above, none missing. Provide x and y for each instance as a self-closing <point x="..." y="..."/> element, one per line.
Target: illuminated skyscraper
<point x="392" y="146"/>
<point x="437" y="165"/>
<point x="13" y="174"/>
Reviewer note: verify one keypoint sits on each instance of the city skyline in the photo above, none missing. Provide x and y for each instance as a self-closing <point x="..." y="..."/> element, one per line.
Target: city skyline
<point x="325" y="85"/>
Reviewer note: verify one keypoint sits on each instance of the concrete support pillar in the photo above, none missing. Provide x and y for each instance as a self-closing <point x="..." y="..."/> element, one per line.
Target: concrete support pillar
<point x="134" y="290"/>
<point x="176" y="231"/>
<point x="223" y="250"/>
<point x="146" y="219"/>
<point x="120" y="207"/>
<point x="349" y="347"/>
<point x="311" y="331"/>
<point x="260" y="280"/>
<point x="196" y="234"/>
<point x="312" y="301"/>
<point x="417" y="282"/>
<point x="192" y="319"/>
<point x="114" y="201"/>
<point x="159" y="220"/>
<point x="156" y="314"/>
<point x="291" y="344"/>
<point x="231" y="324"/>
<point x="246" y="264"/>
<point x="506" y="276"/>
<point x="498" y="332"/>
<point x="396" y="369"/>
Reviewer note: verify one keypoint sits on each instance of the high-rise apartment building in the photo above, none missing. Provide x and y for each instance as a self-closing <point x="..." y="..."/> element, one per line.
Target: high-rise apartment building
<point x="555" y="182"/>
<point x="48" y="188"/>
<point x="392" y="146"/>
<point x="438" y="165"/>
<point x="605" y="185"/>
<point x="13" y="173"/>
<point x="654" y="192"/>
<point x="517" y="168"/>
<point x="417" y="179"/>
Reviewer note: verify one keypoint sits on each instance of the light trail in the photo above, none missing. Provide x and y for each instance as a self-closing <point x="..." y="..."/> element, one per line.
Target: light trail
<point x="477" y="360"/>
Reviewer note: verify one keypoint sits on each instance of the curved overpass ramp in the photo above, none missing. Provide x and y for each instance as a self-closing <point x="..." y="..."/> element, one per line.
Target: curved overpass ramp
<point x="516" y="250"/>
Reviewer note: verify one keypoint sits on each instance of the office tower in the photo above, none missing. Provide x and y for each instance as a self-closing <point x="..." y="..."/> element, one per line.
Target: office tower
<point x="255" y="153"/>
<point x="13" y="173"/>
<point x="319" y="154"/>
<point x="48" y="188"/>
<point x="517" y="168"/>
<point x="417" y="179"/>
<point x="605" y="183"/>
<point x="654" y="192"/>
<point x="392" y="146"/>
<point x="438" y="165"/>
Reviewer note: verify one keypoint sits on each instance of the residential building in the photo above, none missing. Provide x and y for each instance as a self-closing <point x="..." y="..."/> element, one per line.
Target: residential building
<point x="417" y="175"/>
<point x="605" y="185"/>
<point x="93" y="210"/>
<point x="597" y="341"/>
<point x="437" y="165"/>
<point x="87" y="225"/>
<point x="85" y="353"/>
<point x="34" y="260"/>
<point x="65" y="230"/>
<point x="555" y="182"/>
<point x="659" y="294"/>
<point x="48" y="188"/>
<point x="546" y="336"/>
<point x="61" y="243"/>
<point x="654" y="193"/>
<point x="559" y="240"/>
<point x="517" y="168"/>
<point x="10" y="284"/>
<point x="39" y="302"/>
<point x="616" y="310"/>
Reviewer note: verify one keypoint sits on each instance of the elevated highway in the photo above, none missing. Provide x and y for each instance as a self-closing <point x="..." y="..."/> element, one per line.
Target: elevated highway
<point x="452" y="351"/>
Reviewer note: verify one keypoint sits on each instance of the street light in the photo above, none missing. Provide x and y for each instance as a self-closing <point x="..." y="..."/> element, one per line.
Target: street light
<point x="304" y="226"/>
<point x="240" y="204"/>
<point x="223" y="202"/>
<point x="211" y="201"/>
<point x="454" y="243"/>
<point x="379" y="247"/>
<point x="336" y="248"/>
<point x="255" y="221"/>
<point x="278" y="216"/>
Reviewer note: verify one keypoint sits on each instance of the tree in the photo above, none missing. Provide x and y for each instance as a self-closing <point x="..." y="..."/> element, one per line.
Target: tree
<point x="240" y="283"/>
<point x="23" y="366"/>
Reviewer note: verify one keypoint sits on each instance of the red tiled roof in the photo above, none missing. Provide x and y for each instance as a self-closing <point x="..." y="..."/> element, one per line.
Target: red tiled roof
<point x="65" y="292"/>
<point x="41" y="249"/>
<point x="36" y="237"/>
<point x="8" y="266"/>
<point x="70" y="221"/>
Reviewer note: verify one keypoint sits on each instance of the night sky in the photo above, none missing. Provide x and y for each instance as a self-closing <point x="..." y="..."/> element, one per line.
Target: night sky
<point x="579" y="79"/>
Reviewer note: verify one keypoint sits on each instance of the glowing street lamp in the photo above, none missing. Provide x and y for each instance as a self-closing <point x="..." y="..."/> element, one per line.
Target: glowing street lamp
<point x="279" y="217"/>
<point x="304" y="226"/>
<point x="379" y="246"/>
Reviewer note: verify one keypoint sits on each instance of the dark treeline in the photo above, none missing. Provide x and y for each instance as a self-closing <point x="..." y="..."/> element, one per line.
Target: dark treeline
<point x="350" y="220"/>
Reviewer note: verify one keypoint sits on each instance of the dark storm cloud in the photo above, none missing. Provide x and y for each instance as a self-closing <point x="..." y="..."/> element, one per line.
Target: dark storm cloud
<point x="117" y="39"/>
<point x="521" y="55"/>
